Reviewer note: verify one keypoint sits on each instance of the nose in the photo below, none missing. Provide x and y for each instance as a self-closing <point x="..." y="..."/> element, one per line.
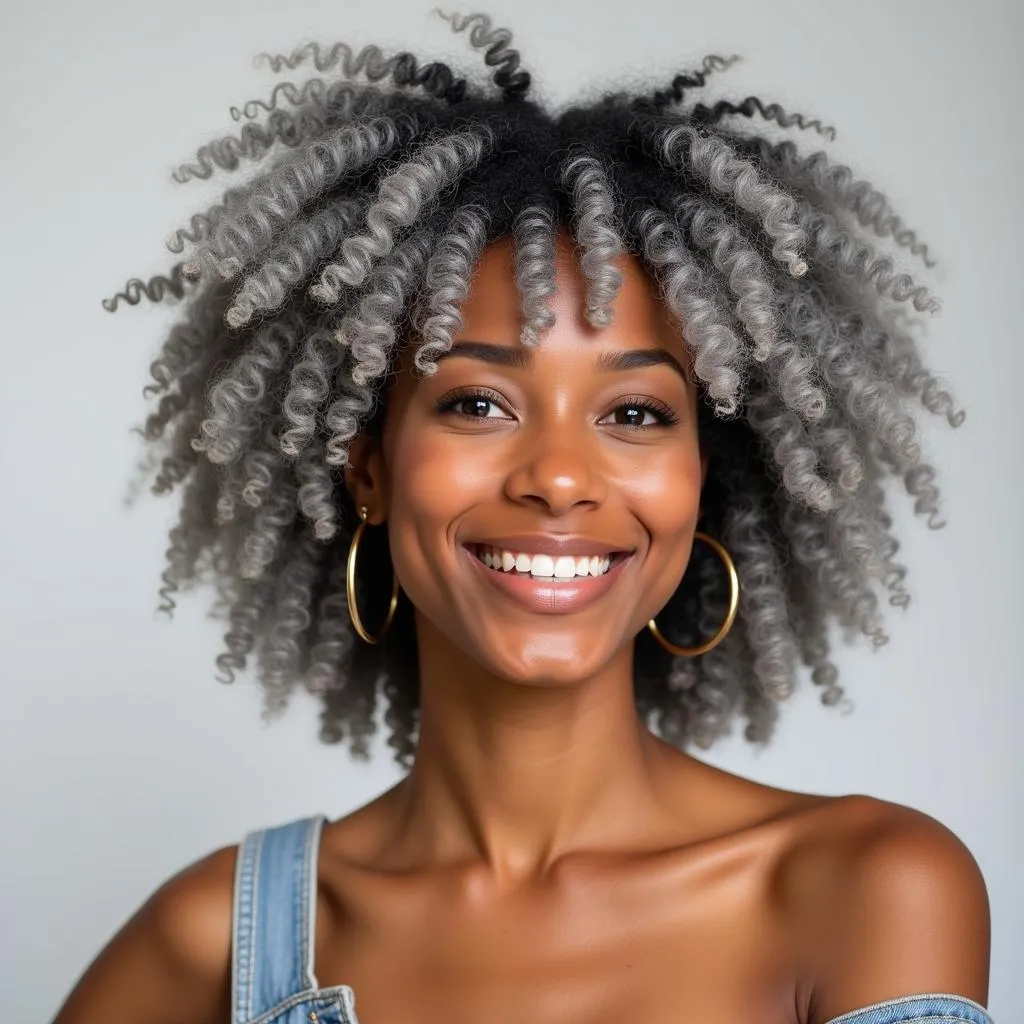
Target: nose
<point x="557" y="470"/>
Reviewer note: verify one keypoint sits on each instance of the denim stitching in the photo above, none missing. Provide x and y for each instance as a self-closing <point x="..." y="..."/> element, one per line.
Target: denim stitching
<point x="255" y="914"/>
<point x="244" y="929"/>
<point x="348" y="1009"/>
<point x="236" y="932"/>
<point x="293" y="843"/>
<point x="301" y="876"/>
<point x="325" y="997"/>
<point x="308" y="897"/>
<point x="954" y="1015"/>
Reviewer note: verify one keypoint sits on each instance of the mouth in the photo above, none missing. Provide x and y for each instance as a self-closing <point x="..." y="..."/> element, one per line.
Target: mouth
<point x="548" y="584"/>
<point x="549" y="568"/>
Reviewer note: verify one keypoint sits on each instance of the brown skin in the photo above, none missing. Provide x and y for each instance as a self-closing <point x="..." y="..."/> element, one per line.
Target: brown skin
<point x="548" y="858"/>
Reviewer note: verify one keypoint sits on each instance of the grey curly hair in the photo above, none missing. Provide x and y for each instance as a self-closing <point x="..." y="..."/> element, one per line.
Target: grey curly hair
<point x="380" y="189"/>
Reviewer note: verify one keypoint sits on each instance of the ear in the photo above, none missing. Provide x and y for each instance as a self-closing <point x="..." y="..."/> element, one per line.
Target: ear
<point x="366" y="480"/>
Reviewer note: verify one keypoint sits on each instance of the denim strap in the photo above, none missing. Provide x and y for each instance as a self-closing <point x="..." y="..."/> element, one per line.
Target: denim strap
<point x="273" y="917"/>
<point x="920" y="1008"/>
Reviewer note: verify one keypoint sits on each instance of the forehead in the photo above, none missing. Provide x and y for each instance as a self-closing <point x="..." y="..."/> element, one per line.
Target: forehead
<point x="492" y="310"/>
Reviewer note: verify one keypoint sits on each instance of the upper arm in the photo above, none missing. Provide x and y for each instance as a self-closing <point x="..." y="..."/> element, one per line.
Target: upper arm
<point x="910" y="917"/>
<point x="171" y="962"/>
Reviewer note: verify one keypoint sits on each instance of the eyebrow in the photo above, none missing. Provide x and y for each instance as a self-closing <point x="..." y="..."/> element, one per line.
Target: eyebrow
<point x="522" y="358"/>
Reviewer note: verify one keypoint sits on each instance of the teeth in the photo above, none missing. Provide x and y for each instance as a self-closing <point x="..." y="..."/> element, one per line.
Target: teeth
<point x="538" y="565"/>
<point x="565" y="567"/>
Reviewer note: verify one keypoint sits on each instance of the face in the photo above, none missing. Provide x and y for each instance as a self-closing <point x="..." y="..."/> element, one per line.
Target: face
<point x="575" y="461"/>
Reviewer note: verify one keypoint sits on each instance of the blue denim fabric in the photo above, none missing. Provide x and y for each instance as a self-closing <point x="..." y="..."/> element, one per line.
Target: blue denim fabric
<point x="273" y="938"/>
<point x="933" y="1008"/>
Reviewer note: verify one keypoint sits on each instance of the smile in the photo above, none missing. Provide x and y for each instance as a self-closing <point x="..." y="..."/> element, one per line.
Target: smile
<point x="547" y="584"/>
<point x="542" y="566"/>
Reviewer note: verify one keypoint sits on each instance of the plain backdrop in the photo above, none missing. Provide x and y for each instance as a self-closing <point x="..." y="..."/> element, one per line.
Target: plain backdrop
<point x="123" y="759"/>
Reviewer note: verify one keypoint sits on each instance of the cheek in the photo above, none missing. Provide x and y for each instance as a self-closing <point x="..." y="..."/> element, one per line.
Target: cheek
<point x="665" y="501"/>
<point x="663" y="491"/>
<point x="433" y="478"/>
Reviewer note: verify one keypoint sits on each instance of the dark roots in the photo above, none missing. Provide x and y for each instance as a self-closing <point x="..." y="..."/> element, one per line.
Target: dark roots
<point x="364" y="231"/>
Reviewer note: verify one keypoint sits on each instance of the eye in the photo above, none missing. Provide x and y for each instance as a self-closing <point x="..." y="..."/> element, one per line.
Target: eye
<point x="639" y="413"/>
<point x="474" y="404"/>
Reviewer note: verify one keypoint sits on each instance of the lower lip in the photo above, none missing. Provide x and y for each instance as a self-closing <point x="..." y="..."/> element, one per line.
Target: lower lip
<point x="545" y="596"/>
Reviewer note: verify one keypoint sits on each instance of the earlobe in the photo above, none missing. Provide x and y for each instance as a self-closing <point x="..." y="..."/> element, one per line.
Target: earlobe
<point x="363" y="477"/>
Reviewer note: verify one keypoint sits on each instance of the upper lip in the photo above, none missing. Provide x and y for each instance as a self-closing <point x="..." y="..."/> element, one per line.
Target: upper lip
<point x="551" y="544"/>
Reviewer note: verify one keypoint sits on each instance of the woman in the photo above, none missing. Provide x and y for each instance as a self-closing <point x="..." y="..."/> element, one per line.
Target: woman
<point x="569" y="430"/>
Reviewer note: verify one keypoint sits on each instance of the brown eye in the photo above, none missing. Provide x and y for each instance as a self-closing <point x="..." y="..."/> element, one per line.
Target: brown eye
<point x="631" y="416"/>
<point x="639" y="415"/>
<point x="474" y="405"/>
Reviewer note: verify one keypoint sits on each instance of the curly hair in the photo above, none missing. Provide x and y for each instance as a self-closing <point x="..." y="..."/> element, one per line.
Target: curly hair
<point x="379" y="191"/>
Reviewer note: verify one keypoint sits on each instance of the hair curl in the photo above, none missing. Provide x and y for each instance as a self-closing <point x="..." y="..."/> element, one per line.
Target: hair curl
<point x="363" y="231"/>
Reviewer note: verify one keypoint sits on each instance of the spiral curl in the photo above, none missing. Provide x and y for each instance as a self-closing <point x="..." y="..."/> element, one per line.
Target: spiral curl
<point x="374" y="195"/>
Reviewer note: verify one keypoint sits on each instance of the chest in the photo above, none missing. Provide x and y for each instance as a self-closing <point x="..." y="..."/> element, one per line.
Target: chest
<point x="592" y="954"/>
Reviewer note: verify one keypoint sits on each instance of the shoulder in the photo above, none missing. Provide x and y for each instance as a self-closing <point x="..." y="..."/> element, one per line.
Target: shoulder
<point x="896" y="905"/>
<point x="172" y="960"/>
<point x="191" y="913"/>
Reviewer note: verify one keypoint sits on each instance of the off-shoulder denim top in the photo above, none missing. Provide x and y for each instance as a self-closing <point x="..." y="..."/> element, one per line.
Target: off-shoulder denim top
<point x="273" y="935"/>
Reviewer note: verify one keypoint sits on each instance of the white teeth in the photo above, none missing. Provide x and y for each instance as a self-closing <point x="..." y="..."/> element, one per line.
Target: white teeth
<point x="539" y="565"/>
<point x="564" y="567"/>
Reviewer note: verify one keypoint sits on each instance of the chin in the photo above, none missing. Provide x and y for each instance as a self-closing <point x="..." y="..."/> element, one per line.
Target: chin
<point x="548" y="661"/>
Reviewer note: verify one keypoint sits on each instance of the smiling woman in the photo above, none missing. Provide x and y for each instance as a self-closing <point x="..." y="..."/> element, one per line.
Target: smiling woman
<point x="565" y="433"/>
<point x="540" y="501"/>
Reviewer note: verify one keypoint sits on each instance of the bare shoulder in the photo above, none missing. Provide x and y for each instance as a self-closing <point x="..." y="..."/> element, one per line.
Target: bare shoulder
<point x="889" y="902"/>
<point x="171" y="961"/>
<point x="191" y="913"/>
<point x="872" y="849"/>
<point x="857" y="829"/>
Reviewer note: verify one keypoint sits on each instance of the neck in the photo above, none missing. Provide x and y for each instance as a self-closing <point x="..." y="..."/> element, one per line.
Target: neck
<point x="513" y="777"/>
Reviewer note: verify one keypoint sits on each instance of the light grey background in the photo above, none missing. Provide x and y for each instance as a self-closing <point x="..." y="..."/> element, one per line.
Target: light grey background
<point x="123" y="759"/>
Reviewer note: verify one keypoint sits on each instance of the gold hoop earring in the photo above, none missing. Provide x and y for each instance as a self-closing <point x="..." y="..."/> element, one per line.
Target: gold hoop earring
<point x="734" y="603"/>
<point x="350" y="586"/>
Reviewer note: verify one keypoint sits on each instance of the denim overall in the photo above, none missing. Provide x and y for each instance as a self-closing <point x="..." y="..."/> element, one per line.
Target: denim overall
<point x="273" y="939"/>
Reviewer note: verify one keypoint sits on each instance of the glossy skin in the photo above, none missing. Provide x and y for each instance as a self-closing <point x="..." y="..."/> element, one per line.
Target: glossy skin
<point x="548" y="858"/>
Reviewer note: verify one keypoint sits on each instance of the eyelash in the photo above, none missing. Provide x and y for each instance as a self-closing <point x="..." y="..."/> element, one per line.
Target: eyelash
<point x="665" y="416"/>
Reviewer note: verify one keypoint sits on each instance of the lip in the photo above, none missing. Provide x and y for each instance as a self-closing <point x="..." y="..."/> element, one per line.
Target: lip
<point x="543" y="596"/>
<point x="551" y="544"/>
